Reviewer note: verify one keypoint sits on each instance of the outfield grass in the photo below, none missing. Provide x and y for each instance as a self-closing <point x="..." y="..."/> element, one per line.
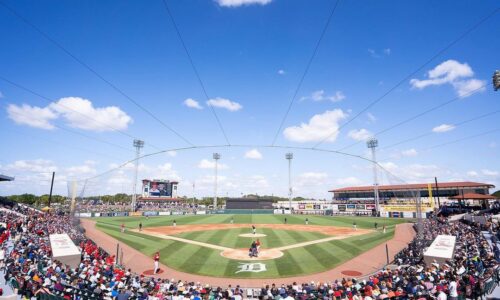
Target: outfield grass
<point x="200" y="260"/>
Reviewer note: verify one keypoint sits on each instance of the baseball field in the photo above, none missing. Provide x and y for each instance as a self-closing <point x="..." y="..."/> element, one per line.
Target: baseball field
<point x="217" y="245"/>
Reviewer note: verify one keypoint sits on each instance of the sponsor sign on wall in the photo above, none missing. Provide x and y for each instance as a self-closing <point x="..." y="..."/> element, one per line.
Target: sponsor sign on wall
<point x="83" y="215"/>
<point x="201" y="212"/>
<point x="302" y="206"/>
<point x="351" y="206"/>
<point x="440" y="250"/>
<point x="64" y="250"/>
<point x="164" y="213"/>
<point x="135" y="213"/>
<point x="360" y="206"/>
<point x="370" y="206"/>
<point x="341" y="207"/>
<point x="150" y="213"/>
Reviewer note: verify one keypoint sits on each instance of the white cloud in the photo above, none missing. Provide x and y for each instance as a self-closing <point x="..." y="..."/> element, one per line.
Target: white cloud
<point x="80" y="113"/>
<point x="253" y="154"/>
<point x="37" y="165"/>
<point x="371" y="117"/>
<point x="166" y="171"/>
<point x="209" y="164"/>
<point x="32" y="116"/>
<point x="191" y="103"/>
<point x="414" y="173"/>
<point x="376" y="54"/>
<point x="459" y="75"/>
<point x="313" y="175"/>
<point x="236" y="3"/>
<point x="319" y="95"/>
<point x="224" y="103"/>
<point x="348" y="181"/>
<point x="83" y="170"/>
<point x="318" y="128"/>
<point x="308" y="179"/>
<point x="359" y="134"/>
<point x="409" y="152"/>
<point x="443" y="128"/>
<point x="172" y="153"/>
<point x="373" y="53"/>
<point x="468" y="87"/>
<point x="281" y="72"/>
<point x="489" y="172"/>
<point x="472" y="174"/>
<point x="258" y="181"/>
<point x="77" y="112"/>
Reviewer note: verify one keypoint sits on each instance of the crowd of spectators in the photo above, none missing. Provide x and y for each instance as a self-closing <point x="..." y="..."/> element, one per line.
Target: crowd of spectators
<point x="30" y="270"/>
<point x="93" y="206"/>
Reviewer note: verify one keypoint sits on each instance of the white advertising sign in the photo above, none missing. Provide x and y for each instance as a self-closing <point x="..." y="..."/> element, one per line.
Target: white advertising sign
<point x="64" y="250"/>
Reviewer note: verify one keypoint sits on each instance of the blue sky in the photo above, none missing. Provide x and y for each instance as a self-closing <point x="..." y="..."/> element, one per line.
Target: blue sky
<point x="250" y="55"/>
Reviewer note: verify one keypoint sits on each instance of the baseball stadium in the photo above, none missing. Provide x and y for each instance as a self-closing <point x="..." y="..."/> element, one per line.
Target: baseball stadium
<point x="249" y="149"/>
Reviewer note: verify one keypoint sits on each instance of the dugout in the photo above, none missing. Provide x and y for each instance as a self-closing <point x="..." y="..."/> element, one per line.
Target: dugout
<point x="245" y="203"/>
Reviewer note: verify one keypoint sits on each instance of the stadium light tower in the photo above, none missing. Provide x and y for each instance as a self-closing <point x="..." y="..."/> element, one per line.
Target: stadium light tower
<point x="138" y="144"/>
<point x="289" y="157"/>
<point x="496" y="80"/>
<point x="372" y="143"/>
<point x="216" y="157"/>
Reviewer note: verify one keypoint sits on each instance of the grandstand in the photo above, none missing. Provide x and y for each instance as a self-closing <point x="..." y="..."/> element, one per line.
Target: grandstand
<point x="400" y="200"/>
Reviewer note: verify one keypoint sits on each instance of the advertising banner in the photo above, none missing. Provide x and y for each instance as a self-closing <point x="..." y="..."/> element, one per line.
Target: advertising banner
<point x="408" y="214"/>
<point x="351" y="206"/>
<point x="370" y="206"/>
<point x="121" y="214"/>
<point x="150" y="213"/>
<point x="360" y="206"/>
<point x="335" y="207"/>
<point x="317" y="206"/>
<point x="135" y="213"/>
<point x="302" y="206"/>
<point x="96" y="214"/>
<point x="408" y="208"/>
<point x="164" y="213"/>
<point x="441" y="249"/>
<point x="341" y="207"/>
<point x="201" y="212"/>
<point x="309" y="206"/>
<point x="64" y="250"/>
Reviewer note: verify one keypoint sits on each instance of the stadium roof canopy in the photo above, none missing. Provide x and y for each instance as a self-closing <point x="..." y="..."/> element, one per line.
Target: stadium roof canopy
<point x="416" y="186"/>
<point x="6" y="178"/>
<point x="474" y="196"/>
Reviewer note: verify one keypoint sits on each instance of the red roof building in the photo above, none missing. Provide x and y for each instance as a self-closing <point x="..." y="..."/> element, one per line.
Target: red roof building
<point x="443" y="189"/>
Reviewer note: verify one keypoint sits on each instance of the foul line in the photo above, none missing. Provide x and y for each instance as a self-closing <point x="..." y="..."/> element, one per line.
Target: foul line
<point x="221" y="248"/>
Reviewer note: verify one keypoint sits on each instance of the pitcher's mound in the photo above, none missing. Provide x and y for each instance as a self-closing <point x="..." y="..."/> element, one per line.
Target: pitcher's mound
<point x="252" y="235"/>
<point x="242" y="254"/>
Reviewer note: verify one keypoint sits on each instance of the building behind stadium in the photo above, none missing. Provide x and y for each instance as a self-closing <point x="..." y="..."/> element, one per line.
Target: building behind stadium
<point x="399" y="201"/>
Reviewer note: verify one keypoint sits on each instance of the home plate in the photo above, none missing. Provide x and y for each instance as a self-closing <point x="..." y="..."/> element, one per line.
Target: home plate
<point x="251" y="235"/>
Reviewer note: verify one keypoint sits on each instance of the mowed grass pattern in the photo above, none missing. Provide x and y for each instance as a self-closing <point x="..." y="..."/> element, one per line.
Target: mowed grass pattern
<point x="204" y="261"/>
<point x="230" y="237"/>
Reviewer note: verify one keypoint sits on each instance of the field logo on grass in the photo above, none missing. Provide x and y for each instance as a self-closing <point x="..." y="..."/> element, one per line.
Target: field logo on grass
<point x="251" y="267"/>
